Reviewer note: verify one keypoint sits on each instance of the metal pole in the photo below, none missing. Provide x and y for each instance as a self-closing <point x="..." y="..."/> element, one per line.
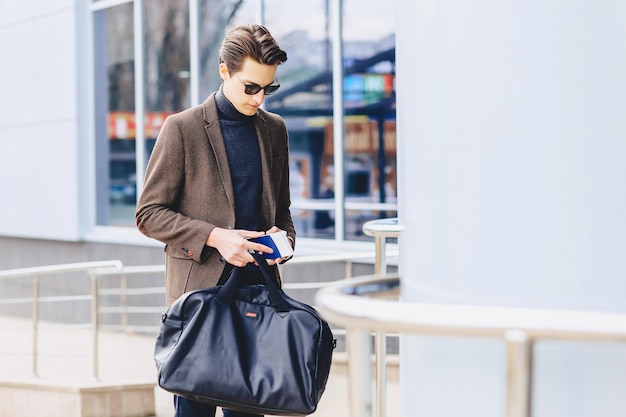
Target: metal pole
<point x="379" y="268"/>
<point x="380" y="336"/>
<point x="519" y="373"/>
<point x="381" y="374"/>
<point x="359" y="364"/>
<point x="338" y="118"/>
<point x="140" y="107"/>
<point x="95" y="323"/>
<point x="35" y="326"/>
<point x="194" y="51"/>
<point x="260" y="11"/>
<point x="381" y="229"/>
<point x="124" y="301"/>
<point x="348" y="268"/>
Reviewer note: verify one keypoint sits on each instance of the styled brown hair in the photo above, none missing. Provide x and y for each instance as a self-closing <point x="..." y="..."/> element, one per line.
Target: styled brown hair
<point x="253" y="41"/>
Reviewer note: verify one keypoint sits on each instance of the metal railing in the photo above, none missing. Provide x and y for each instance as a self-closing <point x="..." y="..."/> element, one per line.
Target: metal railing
<point x="125" y="309"/>
<point x="358" y="306"/>
<point x="97" y="270"/>
<point x="93" y="269"/>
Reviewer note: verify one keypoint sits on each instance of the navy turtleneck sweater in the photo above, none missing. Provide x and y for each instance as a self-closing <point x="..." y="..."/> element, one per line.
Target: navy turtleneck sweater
<point x="244" y="160"/>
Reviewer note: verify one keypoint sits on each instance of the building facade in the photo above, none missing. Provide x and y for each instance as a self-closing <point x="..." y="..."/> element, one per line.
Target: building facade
<point x="69" y="127"/>
<point x="507" y="171"/>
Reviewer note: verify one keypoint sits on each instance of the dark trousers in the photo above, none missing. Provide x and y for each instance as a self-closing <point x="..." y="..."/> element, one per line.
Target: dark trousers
<point x="189" y="408"/>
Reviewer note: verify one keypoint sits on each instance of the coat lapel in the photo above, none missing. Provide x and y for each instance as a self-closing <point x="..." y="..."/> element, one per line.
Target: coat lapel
<point x="268" y="205"/>
<point x="216" y="142"/>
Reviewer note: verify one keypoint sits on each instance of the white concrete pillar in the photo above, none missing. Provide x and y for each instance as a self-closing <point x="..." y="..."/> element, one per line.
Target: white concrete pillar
<point x="512" y="162"/>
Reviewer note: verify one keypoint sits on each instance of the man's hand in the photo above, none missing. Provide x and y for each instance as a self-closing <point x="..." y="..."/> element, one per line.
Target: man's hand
<point x="275" y="229"/>
<point x="234" y="246"/>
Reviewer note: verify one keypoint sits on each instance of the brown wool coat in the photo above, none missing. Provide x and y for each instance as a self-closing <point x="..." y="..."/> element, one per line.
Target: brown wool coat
<point x="188" y="191"/>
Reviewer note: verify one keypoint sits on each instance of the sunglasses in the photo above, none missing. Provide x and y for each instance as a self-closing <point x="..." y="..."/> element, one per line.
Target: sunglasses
<point x="252" y="89"/>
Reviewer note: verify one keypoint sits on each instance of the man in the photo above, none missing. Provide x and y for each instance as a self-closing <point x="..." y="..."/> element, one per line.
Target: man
<point x="219" y="175"/>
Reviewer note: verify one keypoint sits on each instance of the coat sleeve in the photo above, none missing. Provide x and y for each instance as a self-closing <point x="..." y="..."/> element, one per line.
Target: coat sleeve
<point x="158" y="210"/>
<point x="284" y="220"/>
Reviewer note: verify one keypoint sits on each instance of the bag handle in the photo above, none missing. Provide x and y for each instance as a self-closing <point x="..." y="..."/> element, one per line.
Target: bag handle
<point x="277" y="299"/>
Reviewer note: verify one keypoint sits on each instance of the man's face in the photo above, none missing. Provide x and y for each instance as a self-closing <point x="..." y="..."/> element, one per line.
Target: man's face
<point x="251" y="72"/>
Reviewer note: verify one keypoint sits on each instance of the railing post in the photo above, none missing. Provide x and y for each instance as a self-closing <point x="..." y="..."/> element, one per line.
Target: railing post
<point x="519" y="373"/>
<point x="359" y="364"/>
<point x="124" y="301"/>
<point x="381" y="230"/>
<point x="380" y="266"/>
<point x="95" y="322"/>
<point x="381" y="374"/>
<point x="35" y="359"/>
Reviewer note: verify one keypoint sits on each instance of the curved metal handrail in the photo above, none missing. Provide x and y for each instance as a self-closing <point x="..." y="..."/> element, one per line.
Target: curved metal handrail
<point x="357" y="305"/>
<point x="338" y="306"/>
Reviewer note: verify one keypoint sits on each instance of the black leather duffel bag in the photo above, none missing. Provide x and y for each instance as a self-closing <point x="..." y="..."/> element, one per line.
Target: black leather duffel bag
<point x="252" y="349"/>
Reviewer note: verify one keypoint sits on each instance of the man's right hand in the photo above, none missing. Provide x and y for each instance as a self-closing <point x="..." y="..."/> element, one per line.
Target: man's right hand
<point x="234" y="246"/>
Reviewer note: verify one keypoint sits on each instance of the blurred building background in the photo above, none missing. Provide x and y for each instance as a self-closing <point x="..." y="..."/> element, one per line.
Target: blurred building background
<point x="78" y="93"/>
<point x="81" y="74"/>
<point x="507" y="170"/>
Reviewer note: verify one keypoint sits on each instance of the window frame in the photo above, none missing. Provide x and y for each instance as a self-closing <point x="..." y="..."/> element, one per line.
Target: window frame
<point x="130" y="235"/>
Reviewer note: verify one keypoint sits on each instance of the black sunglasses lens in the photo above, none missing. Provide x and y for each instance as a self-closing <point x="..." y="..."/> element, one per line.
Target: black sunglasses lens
<point x="252" y="89"/>
<point x="271" y="89"/>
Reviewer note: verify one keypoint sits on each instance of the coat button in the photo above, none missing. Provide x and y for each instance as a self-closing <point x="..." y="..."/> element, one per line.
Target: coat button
<point x="190" y="253"/>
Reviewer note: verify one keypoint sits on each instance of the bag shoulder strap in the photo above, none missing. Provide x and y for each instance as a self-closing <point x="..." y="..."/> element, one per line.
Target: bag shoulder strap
<point x="277" y="296"/>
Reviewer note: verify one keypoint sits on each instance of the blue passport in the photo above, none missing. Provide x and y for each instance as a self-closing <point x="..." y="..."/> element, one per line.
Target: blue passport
<point x="278" y="242"/>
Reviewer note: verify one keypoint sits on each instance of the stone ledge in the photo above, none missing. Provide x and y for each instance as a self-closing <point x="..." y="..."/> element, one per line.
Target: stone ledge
<point x="35" y="397"/>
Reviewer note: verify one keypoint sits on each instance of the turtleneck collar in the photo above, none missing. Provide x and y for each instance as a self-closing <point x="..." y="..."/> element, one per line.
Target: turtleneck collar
<point x="226" y="109"/>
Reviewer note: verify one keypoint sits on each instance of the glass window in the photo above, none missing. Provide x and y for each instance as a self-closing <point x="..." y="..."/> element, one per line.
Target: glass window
<point x="216" y="17"/>
<point x="114" y="114"/>
<point x="370" y="109"/>
<point x="166" y="68"/>
<point x="305" y="99"/>
<point x="166" y="65"/>
<point x="166" y="90"/>
<point x="305" y="102"/>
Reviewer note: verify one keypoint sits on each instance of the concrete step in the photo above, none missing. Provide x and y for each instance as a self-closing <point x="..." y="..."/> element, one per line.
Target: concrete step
<point x="56" y="398"/>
